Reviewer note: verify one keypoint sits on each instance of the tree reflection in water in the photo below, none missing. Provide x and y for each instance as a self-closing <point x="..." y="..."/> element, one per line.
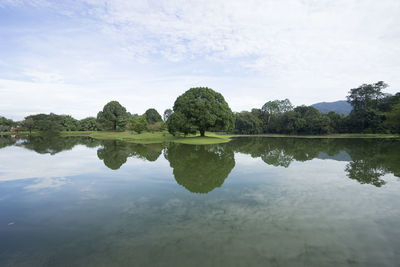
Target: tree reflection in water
<point x="369" y="159"/>
<point x="50" y="144"/>
<point x="115" y="153"/>
<point x="200" y="169"/>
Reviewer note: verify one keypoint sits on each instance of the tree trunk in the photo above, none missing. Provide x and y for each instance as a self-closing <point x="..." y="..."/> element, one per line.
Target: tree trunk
<point x="115" y="125"/>
<point x="202" y="132"/>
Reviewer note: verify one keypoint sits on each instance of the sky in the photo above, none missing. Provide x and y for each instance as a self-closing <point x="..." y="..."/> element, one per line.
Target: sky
<point x="72" y="57"/>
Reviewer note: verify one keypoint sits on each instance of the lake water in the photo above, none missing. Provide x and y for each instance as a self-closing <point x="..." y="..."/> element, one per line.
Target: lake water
<point x="251" y="202"/>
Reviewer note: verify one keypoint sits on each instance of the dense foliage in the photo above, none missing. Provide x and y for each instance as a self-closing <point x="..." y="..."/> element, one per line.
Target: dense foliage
<point x="152" y="116"/>
<point x="51" y="123"/>
<point x="113" y="117"/>
<point x="88" y="124"/>
<point x="5" y="124"/>
<point x="373" y="112"/>
<point x="138" y="124"/>
<point x="201" y="109"/>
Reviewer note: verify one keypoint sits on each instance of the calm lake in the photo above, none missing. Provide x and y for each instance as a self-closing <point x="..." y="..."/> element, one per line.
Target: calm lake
<point x="251" y="202"/>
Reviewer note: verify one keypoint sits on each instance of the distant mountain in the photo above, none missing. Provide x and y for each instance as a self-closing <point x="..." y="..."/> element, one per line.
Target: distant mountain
<point x="339" y="107"/>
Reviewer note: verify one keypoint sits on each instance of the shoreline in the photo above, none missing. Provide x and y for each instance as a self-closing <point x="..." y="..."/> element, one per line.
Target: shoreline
<point x="210" y="138"/>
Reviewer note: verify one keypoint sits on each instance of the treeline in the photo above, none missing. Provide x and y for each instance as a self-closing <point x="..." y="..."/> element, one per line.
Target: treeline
<point x="202" y="109"/>
<point x="113" y="117"/>
<point x="373" y="112"/>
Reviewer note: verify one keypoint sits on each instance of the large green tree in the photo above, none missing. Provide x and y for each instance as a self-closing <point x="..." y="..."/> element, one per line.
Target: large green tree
<point x="272" y="113"/>
<point x="277" y="106"/>
<point x="367" y="101"/>
<point x="205" y="109"/>
<point x="366" y="96"/>
<point x="113" y="116"/>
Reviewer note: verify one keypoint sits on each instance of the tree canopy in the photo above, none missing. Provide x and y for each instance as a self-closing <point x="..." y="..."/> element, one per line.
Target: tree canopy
<point x="277" y="107"/>
<point x="201" y="109"/>
<point x="248" y="123"/>
<point x="138" y="124"/>
<point x="5" y="124"/>
<point x="152" y="116"/>
<point x="113" y="116"/>
<point x="366" y="95"/>
<point x="88" y="124"/>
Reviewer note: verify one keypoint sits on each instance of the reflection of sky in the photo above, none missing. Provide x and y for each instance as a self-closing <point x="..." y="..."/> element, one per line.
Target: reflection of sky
<point x="49" y="171"/>
<point x="309" y="212"/>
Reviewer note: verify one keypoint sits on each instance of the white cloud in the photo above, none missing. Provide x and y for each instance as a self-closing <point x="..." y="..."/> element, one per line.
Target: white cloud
<point x="146" y="51"/>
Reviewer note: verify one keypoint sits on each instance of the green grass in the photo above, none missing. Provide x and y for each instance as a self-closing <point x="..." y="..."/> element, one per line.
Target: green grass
<point x="151" y="138"/>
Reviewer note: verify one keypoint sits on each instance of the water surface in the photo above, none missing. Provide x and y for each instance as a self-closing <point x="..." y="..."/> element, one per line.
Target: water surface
<point x="251" y="202"/>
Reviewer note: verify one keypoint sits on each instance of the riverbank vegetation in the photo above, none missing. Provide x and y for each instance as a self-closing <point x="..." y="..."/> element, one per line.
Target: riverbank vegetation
<point x="200" y="110"/>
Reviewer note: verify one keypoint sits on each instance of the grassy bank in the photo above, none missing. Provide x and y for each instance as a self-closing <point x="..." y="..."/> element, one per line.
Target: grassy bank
<point x="151" y="138"/>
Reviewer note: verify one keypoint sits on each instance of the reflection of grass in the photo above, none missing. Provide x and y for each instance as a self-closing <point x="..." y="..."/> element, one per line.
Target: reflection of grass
<point x="197" y="140"/>
<point x="151" y="138"/>
<point x="210" y="138"/>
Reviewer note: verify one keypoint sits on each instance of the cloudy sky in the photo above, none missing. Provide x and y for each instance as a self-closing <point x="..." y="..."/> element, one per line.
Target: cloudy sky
<point x="74" y="56"/>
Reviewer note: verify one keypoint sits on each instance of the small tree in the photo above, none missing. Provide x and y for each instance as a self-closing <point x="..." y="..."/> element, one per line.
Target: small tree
<point x="152" y="116"/>
<point x="28" y="124"/>
<point x="138" y="124"/>
<point x="167" y="113"/>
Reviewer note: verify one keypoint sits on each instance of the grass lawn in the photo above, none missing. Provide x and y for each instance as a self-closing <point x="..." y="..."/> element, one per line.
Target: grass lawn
<point x="151" y="138"/>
